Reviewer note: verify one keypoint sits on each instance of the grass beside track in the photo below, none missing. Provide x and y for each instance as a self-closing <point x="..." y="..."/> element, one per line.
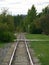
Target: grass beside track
<point x="2" y="44"/>
<point x="37" y="36"/>
<point x="41" y="49"/>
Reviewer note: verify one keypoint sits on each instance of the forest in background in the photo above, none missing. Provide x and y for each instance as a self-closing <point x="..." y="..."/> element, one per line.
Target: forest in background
<point x="33" y="22"/>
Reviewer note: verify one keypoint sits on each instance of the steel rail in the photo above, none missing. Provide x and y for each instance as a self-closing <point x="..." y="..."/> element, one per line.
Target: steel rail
<point x="31" y="62"/>
<point x="11" y="59"/>
<point x="28" y="53"/>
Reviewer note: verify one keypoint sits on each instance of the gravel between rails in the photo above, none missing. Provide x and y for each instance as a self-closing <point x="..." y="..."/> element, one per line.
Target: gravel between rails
<point x="3" y="52"/>
<point x="21" y="57"/>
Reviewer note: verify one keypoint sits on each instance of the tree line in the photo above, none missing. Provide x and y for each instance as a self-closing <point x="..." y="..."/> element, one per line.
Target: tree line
<point x="6" y="27"/>
<point x="37" y="23"/>
<point x="31" y="23"/>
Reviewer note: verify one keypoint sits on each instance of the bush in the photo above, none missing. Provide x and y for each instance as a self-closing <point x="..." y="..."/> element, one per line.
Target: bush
<point x="34" y="29"/>
<point x="5" y="35"/>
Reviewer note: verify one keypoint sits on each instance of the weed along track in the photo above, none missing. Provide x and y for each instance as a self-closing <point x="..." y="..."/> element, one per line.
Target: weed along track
<point x="21" y="55"/>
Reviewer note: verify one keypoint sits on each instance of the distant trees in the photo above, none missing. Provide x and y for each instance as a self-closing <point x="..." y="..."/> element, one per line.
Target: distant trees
<point x="45" y="24"/>
<point x="8" y="19"/>
<point x="30" y="18"/>
<point x="32" y="23"/>
<point x="31" y="14"/>
<point x="45" y="11"/>
<point x="44" y="20"/>
<point x="19" y="23"/>
<point x="37" y="24"/>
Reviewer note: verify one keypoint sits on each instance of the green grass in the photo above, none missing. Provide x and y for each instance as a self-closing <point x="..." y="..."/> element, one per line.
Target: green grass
<point x="41" y="49"/>
<point x="37" y="36"/>
<point x="2" y="45"/>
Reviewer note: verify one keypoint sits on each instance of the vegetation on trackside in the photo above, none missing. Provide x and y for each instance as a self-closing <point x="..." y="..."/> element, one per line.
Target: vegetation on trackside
<point x="41" y="49"/>
<point x="6" y="27"/>
<point x="33" y="22"/>
<point x="2" y="44"/>
<point x="37" y="36"/>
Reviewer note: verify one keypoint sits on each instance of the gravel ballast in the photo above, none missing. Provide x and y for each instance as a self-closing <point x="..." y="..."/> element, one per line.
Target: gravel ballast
<point x="3" y="52"/>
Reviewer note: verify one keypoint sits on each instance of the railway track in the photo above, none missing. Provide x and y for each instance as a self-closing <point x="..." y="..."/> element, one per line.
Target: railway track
<point x="21" y="55"/>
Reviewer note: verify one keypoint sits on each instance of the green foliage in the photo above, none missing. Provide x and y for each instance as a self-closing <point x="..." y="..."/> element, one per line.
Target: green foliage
<point x="3" y="27"/>
<point x="8" y="19"/>
<point x="45" y="11"/>
<point x="37" y="24"/>
<point x="5" y="35"/>
<point x="32" y="28"/>
<point x="43" y="24"/>
<point x="10" y="23"/>
<point x="35" y="28"/>
<point x="31" y="14"/>
<point x="19" y="23"/>
<point x="30" y="18"/>
<point x="6" y="27"/>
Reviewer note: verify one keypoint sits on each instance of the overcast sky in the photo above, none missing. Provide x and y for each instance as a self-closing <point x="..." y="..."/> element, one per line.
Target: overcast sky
<point x="21" y="6"/>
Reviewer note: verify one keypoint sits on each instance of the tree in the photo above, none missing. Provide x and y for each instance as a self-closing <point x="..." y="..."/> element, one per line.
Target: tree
<point x="45" y="11"/>
<point x="8" y="19"/>
<point x="30" y="17"/>
<point x="6" y="27"/>
<point x="31" y="14"/>
<point x="45" y="24"/>
<point x="18" y="22"/>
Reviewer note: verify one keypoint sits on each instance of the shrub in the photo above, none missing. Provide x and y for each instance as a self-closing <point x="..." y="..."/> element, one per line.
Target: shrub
<point x="5" y="35"/>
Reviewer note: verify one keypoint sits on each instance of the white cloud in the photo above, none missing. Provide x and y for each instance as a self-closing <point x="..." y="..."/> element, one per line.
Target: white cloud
<point x="22" y="6"/>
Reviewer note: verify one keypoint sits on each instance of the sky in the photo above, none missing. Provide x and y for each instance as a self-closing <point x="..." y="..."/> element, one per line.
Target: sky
<point x="21" y="6"/>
